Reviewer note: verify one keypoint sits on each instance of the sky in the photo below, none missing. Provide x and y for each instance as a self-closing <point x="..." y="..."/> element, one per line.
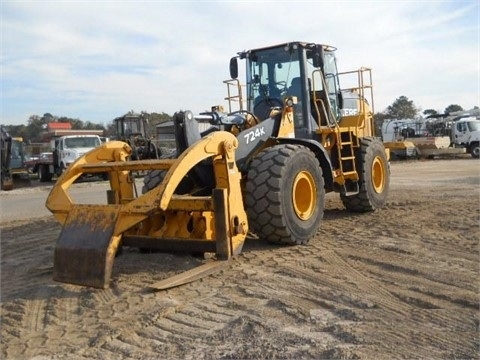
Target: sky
<point x="97" y="60"/>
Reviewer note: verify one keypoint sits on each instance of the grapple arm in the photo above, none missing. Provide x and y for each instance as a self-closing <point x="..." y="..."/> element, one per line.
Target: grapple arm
<point x="91" y="234"/>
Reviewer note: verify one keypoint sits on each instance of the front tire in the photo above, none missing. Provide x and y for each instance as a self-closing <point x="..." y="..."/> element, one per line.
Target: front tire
<point x="152" y="179"/>
<point x="374" y="182"/>
<point x="285" y="194"/>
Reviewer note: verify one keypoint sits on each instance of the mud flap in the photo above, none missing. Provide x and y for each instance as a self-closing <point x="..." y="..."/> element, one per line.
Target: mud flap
<point x="86" y="247"/>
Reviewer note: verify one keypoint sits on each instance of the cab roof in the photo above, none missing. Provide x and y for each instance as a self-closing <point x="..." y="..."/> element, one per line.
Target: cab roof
<point x="299" y="43"/>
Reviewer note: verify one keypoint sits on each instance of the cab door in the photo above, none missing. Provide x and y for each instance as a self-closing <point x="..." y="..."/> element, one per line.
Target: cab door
<point x="332" y="83"/>
<point x="461" y="133"/>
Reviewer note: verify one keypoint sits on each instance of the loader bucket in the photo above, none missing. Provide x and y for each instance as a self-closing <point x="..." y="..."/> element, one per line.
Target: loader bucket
<point x="92" y="233"/>
<point x="85" y="251"/>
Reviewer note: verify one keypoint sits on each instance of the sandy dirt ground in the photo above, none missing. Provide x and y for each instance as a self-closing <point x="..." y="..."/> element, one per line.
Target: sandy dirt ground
<point x="400" y="283"/>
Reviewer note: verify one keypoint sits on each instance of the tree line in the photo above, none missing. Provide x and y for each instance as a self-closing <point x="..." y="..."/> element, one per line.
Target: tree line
<point x="401" y="108"/>
<point x="404" y="108"/>
<point x="37" y="125"/>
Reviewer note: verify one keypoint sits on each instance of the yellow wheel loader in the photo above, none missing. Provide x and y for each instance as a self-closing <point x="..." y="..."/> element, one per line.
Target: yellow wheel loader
<point x="290" y="135"/>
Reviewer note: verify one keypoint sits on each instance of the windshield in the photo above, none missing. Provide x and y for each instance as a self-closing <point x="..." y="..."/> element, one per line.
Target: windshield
<point x="16" y="149"/>
<point x="271" y="73"/>
<point x="473" y="125"/>
<point x="274" y="73"/>
<point x="132" y="126"/>
<point x="82" y="142"/>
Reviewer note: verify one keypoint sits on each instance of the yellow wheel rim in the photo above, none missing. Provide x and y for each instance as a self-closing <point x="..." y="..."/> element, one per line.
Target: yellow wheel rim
<point x="378" y="175"/>
<point x="304" y="195"/>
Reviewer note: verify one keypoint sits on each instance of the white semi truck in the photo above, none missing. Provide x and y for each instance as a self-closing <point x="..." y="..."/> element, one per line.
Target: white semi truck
<point x="466" y="133"/>
<point x="66" y="149"/>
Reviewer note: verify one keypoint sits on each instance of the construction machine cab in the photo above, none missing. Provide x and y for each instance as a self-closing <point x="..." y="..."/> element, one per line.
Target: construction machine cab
<point x="306" y="71"/>
<point x="309" y="72"/>
<point x="132" y="128"/>
<point x="131" y="124"/>
<point x="306" y="75"/>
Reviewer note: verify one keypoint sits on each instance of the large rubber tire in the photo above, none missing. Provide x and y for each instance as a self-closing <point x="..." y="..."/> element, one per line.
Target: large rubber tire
<point x="374" y="171"/>
<point x="475" y="150"/>
<point x="60" y="169"/>
<point x="285" y="194"/>
<point x="44" y="174"/>
<point x="153" y="178"/>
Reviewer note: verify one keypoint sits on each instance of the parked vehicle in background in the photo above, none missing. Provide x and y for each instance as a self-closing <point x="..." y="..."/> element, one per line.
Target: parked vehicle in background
<point x="132" y="128"/>
<point x="448" y="134"/>
<point x="466" y="133"/>
<point x="14" y="167"/>
<point x="66" y="149"/>
<point x="18" y="166"/>
<point x="462" y="129"/>
<point x="31" y="161"/>
<point x="5" y="152"/>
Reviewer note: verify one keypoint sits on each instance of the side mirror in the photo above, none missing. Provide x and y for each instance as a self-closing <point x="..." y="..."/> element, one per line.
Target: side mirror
<point x="233" y="68"/>
<point x="317" y="58"/>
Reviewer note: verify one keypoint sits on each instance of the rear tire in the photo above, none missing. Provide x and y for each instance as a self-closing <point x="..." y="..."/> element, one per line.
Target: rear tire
<point x="285" y="194"/>
<point x="475" y="150"/>
<point x="374" y="182"/>
<point x="60" y="169"/>
<point x="43" y="174"/>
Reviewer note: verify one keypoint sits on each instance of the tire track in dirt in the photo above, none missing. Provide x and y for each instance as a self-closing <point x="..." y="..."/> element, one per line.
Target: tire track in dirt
<point x="272" y="291"/>
<point x="35" y="313"/>
<point x="217" y="313"/>
<point x="34" y="252"/>
<point x="404" y="309"/>
<point x="401" y="270"/>
<point x="349" y="242"/>
<point x="128" y="344"/>
<point x="428" y="284"/>
<point x="43" y="310"/>
<point x="64" y="310"/>
<point x="104" y="296"/>
<point x="350" y="298"/>
<point x="339" y="277"/>
<point x="397" y="283"/>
